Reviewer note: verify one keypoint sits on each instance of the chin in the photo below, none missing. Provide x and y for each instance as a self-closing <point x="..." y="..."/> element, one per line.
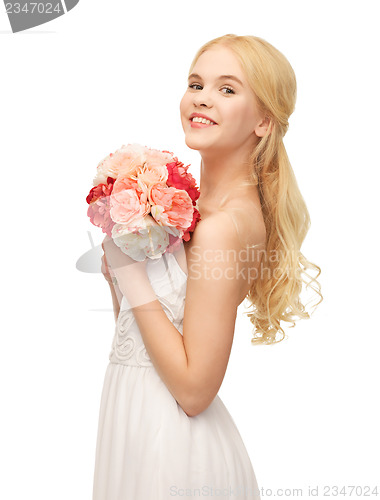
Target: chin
<point x="198" y="143"/>
<point x="190" y="142"/>
<point x="195" y="144"/>
<point x="202" y="147"/>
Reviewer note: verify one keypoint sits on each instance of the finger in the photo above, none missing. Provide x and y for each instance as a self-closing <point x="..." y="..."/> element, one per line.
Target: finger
<point x="104" y="270"/>
<point x="104" y="267"/>
<point x="106" y="240"/>
<point x="106" y="262"/>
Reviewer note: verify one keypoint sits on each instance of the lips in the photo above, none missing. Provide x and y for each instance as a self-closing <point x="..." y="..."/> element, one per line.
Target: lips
<point x="201" y="125"/>
<point x="201" y="115"/>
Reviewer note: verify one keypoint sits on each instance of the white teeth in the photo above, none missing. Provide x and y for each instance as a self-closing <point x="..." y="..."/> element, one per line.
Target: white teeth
<point x="198" y="119"/>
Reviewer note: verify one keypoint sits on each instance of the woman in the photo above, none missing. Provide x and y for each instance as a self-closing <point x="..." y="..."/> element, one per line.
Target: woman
<point x="163" y="430"/>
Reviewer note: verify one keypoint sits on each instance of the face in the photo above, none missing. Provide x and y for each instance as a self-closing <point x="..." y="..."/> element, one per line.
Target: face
<point x="229" y="103"/>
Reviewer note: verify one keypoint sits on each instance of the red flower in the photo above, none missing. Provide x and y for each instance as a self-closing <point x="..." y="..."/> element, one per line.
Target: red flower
<point x="190" y="229"/>
<point x="99" y="209"/>
<point x="100" y="190"/>
<point x="180" y="178"/>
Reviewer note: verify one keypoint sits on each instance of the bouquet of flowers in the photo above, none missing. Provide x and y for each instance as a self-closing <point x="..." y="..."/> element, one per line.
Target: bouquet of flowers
<point x="145" y="200"/>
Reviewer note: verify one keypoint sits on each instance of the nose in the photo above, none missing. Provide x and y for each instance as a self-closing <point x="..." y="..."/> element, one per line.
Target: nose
<point x="202" y="98"/>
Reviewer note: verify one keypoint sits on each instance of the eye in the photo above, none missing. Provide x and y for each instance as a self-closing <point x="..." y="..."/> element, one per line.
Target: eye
<point x="194" y="84"/>
<point x="228" y="88"/>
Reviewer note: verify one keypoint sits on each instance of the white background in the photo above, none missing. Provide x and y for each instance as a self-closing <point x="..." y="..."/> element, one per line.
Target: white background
<point x="113" y="72"/>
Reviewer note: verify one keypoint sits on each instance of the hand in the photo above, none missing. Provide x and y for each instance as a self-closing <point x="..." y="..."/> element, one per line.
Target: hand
<point x="107" y="272"/>
<point x="105" y="269"/>
<point x="132" y="278"/>
<point x="116" y="260"/>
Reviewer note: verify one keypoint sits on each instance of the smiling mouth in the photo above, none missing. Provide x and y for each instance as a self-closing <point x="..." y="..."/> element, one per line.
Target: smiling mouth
<point x="204" y="121"/>
<point x="196" y="124"/>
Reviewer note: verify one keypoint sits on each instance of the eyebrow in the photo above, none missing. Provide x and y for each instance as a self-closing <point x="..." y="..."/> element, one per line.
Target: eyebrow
<point x="221" y="77"/>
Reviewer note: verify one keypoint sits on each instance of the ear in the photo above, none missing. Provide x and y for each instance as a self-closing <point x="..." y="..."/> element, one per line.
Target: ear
<point x="262" y="127"/>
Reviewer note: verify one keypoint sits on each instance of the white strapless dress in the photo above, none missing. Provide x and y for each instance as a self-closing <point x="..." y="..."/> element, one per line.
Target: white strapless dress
<point x="147" y="447"/>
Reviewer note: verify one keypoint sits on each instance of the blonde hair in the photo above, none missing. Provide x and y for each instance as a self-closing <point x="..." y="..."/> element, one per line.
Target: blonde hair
<point x="274" y="297"/>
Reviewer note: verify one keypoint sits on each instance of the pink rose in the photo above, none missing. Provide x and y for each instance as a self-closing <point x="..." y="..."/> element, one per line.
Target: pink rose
<point x="124" y="162"/>
<point x="171" y="206"/>
<point x="156" y="158"/>
<point x="128" y="159"/>
<point x="99" y="213"/>
<point x="129" y="201"/>
<point x="152" y="174"/>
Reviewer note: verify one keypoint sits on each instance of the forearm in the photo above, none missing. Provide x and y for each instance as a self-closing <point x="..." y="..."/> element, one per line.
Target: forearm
<point x="116" y="298"/>
<point x="163" y="342"/>
<point x="166" y="349"/>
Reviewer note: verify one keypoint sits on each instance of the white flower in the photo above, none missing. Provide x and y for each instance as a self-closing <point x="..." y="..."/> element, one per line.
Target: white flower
<point x="143" y="238"/>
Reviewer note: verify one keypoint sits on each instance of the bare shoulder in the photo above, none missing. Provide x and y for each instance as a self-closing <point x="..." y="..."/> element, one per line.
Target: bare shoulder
<point x="248" y="219"/>
<point x="214" y="238"/>
<point x="225" y="246"/>
<point x="216" y="229"/>
<point x="239" y="224"/>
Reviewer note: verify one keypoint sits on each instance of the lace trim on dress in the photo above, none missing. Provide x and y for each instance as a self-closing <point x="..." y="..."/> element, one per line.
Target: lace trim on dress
<point x="127" y="346"/>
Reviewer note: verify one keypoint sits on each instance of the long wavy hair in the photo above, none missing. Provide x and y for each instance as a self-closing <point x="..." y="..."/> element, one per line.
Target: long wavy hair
<point x="275" y="293"/>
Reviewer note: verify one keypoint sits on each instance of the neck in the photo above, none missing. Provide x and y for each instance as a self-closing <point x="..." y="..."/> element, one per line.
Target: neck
<point x="221" y="177"/>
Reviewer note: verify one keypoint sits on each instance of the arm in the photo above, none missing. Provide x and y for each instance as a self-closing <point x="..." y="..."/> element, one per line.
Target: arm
<point x="116" y="298"/>
<point x="114" y="288"/>
<point x="193" y="365"/>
